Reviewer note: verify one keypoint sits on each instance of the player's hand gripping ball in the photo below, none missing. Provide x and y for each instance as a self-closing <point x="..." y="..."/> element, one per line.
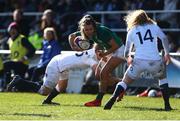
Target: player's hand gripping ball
<point x="82" y="44"/>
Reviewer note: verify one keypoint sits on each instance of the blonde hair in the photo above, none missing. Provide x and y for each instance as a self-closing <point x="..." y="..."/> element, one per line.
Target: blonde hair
<point x="137" y="17"/>
<point x="50" y="29"/>
<point x="86" y="20"/>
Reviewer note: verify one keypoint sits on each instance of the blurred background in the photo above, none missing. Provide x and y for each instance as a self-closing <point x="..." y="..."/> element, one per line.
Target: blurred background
<point x="67" y="13"/>
<point x="63" y="15"/>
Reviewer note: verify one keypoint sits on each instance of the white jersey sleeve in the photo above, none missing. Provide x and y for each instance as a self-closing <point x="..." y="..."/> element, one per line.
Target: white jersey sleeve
<point x="159" y="32"/>
<point x="163" y="39"/>
<point x="128" y="45"/>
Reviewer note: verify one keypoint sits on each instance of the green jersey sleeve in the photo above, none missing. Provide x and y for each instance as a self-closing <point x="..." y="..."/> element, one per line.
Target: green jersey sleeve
<point x="104" y="35"/>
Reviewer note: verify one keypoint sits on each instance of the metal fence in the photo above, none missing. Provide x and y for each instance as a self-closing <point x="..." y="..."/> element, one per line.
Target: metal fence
<point x="102" y="15"/>
<point x="154" y="14"/>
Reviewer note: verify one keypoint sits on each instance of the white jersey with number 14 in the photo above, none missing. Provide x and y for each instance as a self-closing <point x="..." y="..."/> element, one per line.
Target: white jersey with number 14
<point x="145" y="40"/>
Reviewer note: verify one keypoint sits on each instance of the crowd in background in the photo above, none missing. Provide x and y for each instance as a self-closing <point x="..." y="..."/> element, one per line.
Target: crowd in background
<point x="66" y="14"/>
<point x="63" y="17"/>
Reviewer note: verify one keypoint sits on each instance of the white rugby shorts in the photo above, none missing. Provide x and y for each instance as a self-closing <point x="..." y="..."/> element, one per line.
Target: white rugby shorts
<point x="53" y="75"/>
<point x="138" y="66"/>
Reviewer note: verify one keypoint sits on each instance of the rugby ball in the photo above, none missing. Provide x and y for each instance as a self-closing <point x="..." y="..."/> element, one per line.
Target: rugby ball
<point x="82" y="44"/>
<point x="152" y="93"/>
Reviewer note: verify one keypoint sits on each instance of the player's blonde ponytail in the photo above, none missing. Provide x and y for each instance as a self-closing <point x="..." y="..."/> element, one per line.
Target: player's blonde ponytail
<point x="137" y="17"/>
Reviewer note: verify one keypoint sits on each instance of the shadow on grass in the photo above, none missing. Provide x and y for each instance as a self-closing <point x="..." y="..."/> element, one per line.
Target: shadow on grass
<point x="29" y="114"/>
<point x="68" y="105"/>
<point x="144" y="108"/>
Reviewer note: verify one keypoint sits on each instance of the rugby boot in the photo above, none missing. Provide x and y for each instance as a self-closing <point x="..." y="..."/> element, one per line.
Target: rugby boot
<point x="94" y="103"/>
<point x="168" y="107"/>
<point x="109" y="103"/>
<point x="49" y="103"/>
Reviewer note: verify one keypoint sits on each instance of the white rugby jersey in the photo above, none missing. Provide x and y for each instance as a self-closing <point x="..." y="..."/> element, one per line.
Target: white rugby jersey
<point x="145" y="41"/>
<point x="74" y="60"/>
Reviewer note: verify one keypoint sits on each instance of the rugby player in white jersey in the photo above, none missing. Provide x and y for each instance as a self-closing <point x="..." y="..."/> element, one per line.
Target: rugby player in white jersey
<point x="56" y="75"/>
<point x="143" y="33"/>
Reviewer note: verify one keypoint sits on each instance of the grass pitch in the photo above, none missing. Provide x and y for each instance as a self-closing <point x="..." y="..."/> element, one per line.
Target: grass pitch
<point x="27" y="106"/>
